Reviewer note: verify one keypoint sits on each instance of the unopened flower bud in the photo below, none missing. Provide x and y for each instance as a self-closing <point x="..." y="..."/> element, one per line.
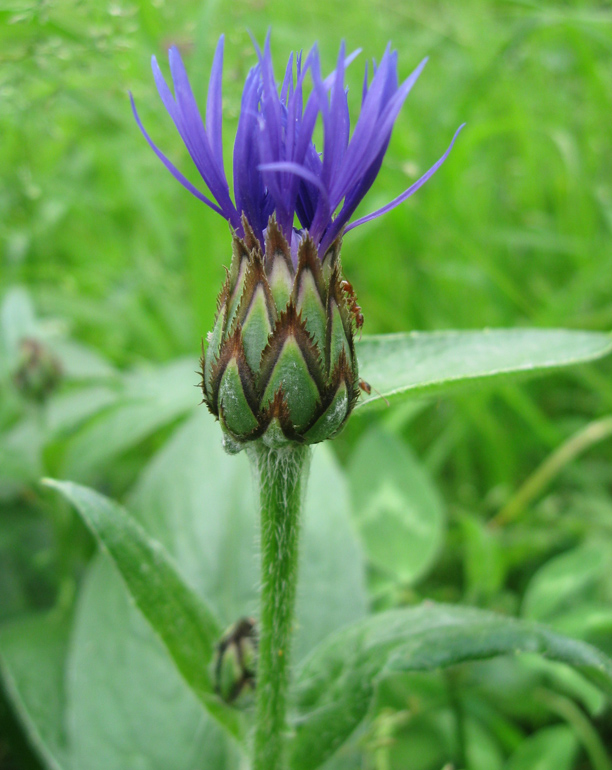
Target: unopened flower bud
<point x="38" y="371"/>
<point x="236" y="662"/>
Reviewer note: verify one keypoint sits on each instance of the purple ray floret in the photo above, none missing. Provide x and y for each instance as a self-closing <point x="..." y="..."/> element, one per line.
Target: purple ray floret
<point x="276" y="167"/>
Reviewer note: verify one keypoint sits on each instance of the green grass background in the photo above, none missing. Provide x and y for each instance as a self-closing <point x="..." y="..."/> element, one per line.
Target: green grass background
<point x="514" y="230"/>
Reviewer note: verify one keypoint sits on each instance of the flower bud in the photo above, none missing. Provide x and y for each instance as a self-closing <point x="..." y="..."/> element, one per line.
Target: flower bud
<point x="38" y="371"/>
<point x="280" y="363"/>
<point x="236" y="662"/>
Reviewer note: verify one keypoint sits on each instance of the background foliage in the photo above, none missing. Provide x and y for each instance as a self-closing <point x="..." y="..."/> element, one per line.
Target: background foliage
<point x="116" y="268"/>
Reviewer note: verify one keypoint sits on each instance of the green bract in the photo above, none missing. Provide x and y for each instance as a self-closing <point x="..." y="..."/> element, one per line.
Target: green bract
<point x="280" y="363"/>
<point x="236" y="662"/>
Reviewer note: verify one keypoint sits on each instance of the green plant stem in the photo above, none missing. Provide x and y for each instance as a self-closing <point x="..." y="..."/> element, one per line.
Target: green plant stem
<point x="281" y="476"/>
<point x="584" y="730"/>
<point x="596" y="431"/>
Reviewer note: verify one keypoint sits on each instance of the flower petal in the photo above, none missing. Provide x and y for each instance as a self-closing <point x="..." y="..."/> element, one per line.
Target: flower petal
<point x="194" y="134"/>
<point x="184" y="112"/>
<point x="295" y="168"/>
<point x="276" y="166"/>
<point x="410" y="191"/>
<point x="373" y="127"/>
<point x="171" y="167"/>
<point x="214" y="116"/>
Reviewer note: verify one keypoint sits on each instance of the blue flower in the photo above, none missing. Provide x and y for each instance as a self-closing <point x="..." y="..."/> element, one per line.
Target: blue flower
<point x="276" y="166"/>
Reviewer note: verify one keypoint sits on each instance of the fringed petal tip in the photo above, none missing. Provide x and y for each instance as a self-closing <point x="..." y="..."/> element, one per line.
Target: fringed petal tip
<point x="277" y="168"/>
<point x="410" y="191"/>
<point x="170" y="166"/>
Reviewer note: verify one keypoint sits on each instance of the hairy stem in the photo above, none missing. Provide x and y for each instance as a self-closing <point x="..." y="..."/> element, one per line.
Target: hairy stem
<point x="281" y="477"/>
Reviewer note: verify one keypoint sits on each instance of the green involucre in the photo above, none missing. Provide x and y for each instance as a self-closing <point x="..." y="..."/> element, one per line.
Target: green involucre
<point x="280" y="363"/>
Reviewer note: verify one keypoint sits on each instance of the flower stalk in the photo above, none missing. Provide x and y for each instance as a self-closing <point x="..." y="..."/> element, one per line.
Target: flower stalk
<point x="280" y="370"/>
<point x="281" y="474"/>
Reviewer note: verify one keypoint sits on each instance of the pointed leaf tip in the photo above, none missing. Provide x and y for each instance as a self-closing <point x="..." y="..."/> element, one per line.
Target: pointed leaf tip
<point x="183" y="621"/>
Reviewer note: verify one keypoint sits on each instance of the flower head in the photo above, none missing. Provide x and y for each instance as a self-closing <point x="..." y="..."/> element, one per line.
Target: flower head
<point x="280" y="364"/>
<point x="276" y="167"/>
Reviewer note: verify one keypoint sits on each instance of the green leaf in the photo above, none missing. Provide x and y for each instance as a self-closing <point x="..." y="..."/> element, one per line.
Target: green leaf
<point x="428" y="735"/>
<point x="299" y="389"/>
<point x="184" y="623"/>
<point x="128" y="707"/>
<point x="67" y="411"/>
<point x="17" y="320"/>
<point x="80" y="362"/>
<point x="309" y="304"/>
<point x="484" y="564"/>
<point x="331" y="419"/>
<point x="32" y="660"/>
<point x="482" y="751"/>
<point x="399" y="513"/>
<point x="567" y="582"/>
<point x="335" y="685"/>
<point x="256" y="328"/>
<point x="423" y="363"/>
<point x="331" y="587"/>
<point x="150" y="398"/>
<point x="20" y="457"/>
<point x="198" y="501"/>
<point x="553" y="748"/>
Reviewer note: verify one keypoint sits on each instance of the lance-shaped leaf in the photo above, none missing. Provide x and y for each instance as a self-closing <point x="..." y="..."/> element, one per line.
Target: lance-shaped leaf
<point x="423" y="363"/>
<point x="127" y="705"/>
<point x="32" y="662"/>
<point x="184" y="623"/>
<point x="335" y="685"/>
<point x="148" y="399"/>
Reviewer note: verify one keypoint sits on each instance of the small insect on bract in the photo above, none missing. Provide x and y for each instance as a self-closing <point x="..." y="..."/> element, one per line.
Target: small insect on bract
<point x="353" y="306"/>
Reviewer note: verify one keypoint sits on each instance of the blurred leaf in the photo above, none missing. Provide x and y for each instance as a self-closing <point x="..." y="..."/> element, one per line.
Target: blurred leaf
<point x="335" y="685"/>
<point x="184" y="623"/>
<point x="17" y="320"/>
<point x="566" y="581"/>
<point x="425" y="742"/>
<point x="350" y="761"/>
<point x="505" y="686"/>
<point x="483" y="559"/>
<point x="424" y="363"/>
<point x="66" y="411"/>
<point x="150" y="399"/>
<point x="398" y="511"/>
<point x="20" y="457"/>
<point x="128" y="706"/>
<point x="198" y="501"/>
<point x="567" y="680"/>
<point x="481" y="750"/>
<point x="552" y="748"/>
<point x="29" y="574"/>
<point x="331" y="587"/>
<point x="80" y="362"/>
<point x="32" y="659"/>
<point x="589" y="621"/>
